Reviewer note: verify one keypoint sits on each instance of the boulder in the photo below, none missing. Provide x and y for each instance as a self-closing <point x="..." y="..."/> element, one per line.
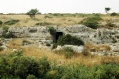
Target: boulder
<point x="115" y="47"/>
<point x="77" y="49"/>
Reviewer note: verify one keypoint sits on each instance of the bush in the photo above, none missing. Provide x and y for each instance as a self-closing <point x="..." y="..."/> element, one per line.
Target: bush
<point x="9" y="77"/>
<point x="114" y="14"/>
<point x="1" y="22"/>
<point x="11" y="22"/>
<point x="47" y="17"/>
<point x="20" y="66"/>
<point x="86" y="52"/>
<point x="18" y="52"/>
<point x="5" y="28"/>
<point x="44" y="66"/>
<point x="6" y="33"/>
<point x="31" y="77"/>
<point x="1" y="48"/>
<point x="39" y="23"/>
<point x="52" y="31"/>
<point x="43" y="23"/>
<point x="66" y="51"/>
<point x="52" y="74"/>
<point x="92" y="22"/>
<point x="69" y="40"/>
<point x="110" y="24"/>
<point x="25" y="42"/>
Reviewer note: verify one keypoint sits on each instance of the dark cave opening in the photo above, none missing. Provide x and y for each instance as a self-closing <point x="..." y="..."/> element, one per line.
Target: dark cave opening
<point x="57" y="35"/>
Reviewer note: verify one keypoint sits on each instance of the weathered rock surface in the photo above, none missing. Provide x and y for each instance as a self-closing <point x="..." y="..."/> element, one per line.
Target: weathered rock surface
<point x="77" y="49"/>
<point x="40" y="34"/>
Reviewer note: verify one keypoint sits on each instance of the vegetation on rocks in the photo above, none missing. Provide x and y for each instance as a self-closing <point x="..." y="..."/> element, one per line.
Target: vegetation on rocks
<point x="6" y="33"/>
<point x="52" y="31"/>
<point x="69" y="40"/>
<point x="92" y="22"/>
<point x="11" y="22"/>
<point x="1" y="22"/>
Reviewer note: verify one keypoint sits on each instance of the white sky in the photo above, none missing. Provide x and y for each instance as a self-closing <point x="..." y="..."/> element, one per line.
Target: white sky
<point x="58" y="6"/>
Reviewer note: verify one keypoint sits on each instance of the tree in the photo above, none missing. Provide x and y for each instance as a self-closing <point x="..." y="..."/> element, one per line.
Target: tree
<point x="32" y="13"/>
<point x="107" y="9"/>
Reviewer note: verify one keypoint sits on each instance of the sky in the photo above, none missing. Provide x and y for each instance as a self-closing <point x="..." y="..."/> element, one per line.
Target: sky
<point x="58" y="6"/>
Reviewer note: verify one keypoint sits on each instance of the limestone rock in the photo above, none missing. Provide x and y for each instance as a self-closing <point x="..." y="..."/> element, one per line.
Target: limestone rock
<point x="77" y="49"/>
<point x="115" y="47"/>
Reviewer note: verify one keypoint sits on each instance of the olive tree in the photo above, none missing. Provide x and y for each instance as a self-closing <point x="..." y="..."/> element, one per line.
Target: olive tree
<point x="32" y="13"/>
<point x="107" y="9"/>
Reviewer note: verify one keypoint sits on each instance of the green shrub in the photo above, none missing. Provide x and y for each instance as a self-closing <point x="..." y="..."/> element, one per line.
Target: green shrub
<point x="11" y="22"/>
<point x="68" y="52"/>
<point x="1" y="48"/>
<point x="70" y="40"/>
<point x="92" y="22"/>
<point x="47" y="44"/>
<point x="85" y="52"/>
<point x="6" y="33"/>
<point x="1" y="22"/>
<point x="39" y="23"/>
<point x="5" y="28"/>
<point x="44" y="66"/>
<point x="25" y="42"/>
<point x="18" y="52"/>
<point x="9" y="77"/>
<point x="110" y="24"/>
<point x="43" y="23"/>
<point x="47" y="17"/>
<point x="52" y="31"/>
<point x="21" y="66"/>
<point x="31" y="77"/>
<point x="114" y="14"/>
<point x="52" y="74"/>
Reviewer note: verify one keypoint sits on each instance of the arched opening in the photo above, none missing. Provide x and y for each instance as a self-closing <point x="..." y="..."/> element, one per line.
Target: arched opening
<point x="57" y="35"/>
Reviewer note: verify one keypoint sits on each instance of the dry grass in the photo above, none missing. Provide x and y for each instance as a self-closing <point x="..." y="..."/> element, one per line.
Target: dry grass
<point x="35" y="52"/>
<point x="68" y="20"/>
<point x="60" y="59"/>
<point x="110" y="59"/>
<point x="25" y="20"/>
<point x="97" y="47"/>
